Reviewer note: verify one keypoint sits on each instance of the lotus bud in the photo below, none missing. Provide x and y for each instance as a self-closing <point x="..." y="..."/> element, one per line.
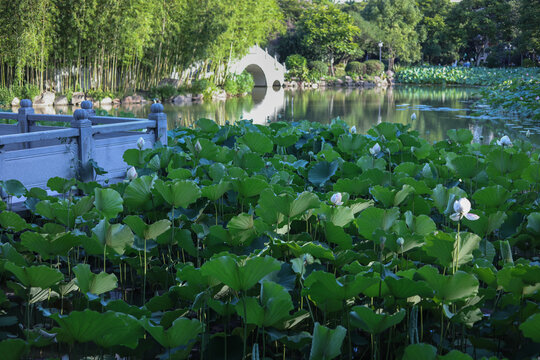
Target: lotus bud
<point x="413" y="116"/>
<point x="400" y="241"/>
<point x="336" y="199"/>
<point x="504" y="141"/>
<point x="310" y="153"/>
<point x="131" y="173"/>
<point x="198" y="147"/>
<point x="383" y="242"/>
<point x="528" y="133"/>
<point x="353" y="129"/>
<point x="140" y="143"/>
<point x="375" y="150"/>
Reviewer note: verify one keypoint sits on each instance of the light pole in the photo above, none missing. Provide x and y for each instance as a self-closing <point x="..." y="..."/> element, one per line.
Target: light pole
<point x="380" y="49"/>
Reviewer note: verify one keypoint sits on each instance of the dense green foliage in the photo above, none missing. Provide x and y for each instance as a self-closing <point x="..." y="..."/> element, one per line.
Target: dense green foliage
<point x="239" y="84"/>
<point x="126" y="44"/>
<point x="461" y="75"/>
<point x="289" y="240"/>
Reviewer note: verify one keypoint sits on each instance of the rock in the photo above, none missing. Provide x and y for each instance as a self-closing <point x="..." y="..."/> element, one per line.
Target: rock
<point x="116" y="101"/>
<point x="77" y="98"/>
<point x="322" y="83"/>
<point x="15" y="102"/>
<point x="219" y="95"/>
<point x="106" y="101"/>
<point x="338" y="82"/>
<point x="348" y="79"/>
<point x="61" y="100"/>
<point x="197" y="97"/>
<point x="182" y="99"/>
<point x="390" y="74"/>
<point x="127" y="100"/>
<point x="45" y="99"/>
<point x="314" y="86"/>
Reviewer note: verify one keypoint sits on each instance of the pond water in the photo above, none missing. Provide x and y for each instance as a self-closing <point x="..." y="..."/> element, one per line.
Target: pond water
<point x="438" y="109"/>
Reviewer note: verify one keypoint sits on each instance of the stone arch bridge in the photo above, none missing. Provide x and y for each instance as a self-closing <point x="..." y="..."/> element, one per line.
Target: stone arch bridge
<point x="267" y="71"/>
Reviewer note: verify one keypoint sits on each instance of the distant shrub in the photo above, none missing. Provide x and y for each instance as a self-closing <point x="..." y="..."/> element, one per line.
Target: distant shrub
<point x="339" y="70"/>
<point x="374" y="67"/>
<point x="239" y="84"/>
<point x="296" y="66"/>
<point x="163" y="92"/>
<point x="6" y="96"/>
<point x="29" y="92"/>
<point x="98" y="94"/>
<point x="355" y="68"/>
<point x="528" y="63"/>
<point x="199" y="86"/>
<point x="318" y="69"/>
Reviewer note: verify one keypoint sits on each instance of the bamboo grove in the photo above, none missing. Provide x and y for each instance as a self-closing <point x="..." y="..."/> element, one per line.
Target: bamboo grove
<point x="121" y="45"/>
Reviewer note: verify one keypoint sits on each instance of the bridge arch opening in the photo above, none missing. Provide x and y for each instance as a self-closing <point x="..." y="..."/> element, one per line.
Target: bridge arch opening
<point x="276" y="84"/>
<point x="258" y="75"/>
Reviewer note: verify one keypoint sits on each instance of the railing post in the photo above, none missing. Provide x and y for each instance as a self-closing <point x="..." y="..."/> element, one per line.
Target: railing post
<point x="87" y="105"/>
<point x="85" y="142"/>
<point x="157" y="114"/>
<point x="22" y="118"/>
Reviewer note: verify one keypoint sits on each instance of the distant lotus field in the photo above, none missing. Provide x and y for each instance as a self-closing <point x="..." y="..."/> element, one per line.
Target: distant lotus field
<point x="287" y="241"/>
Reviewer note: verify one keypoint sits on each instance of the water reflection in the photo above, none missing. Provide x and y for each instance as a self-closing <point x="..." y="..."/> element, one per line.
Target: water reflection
<point x="438" y="109"/>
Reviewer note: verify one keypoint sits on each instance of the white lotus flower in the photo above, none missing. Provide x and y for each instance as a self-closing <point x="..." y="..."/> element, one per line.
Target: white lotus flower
<point x="413" y="116"/>
<point x="353" y="129"/>
<point x="400" y="241"/>
<point x="336" y="199"/>
<point x="131" y="173"/>
<point x="504" y="141"/>
<point x="375" y="150"/>
<point x="198" y="147"/>
<point x="140" y="143"/>
<point x="462" y="208"/>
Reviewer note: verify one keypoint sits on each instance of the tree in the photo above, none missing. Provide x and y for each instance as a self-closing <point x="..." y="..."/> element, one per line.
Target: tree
<point x="327" y="33"/>
<point x="433" y="31"/>
<point x="478" y="25"/>
<point x="529" y="24"/>
<point x="397" y="20"/>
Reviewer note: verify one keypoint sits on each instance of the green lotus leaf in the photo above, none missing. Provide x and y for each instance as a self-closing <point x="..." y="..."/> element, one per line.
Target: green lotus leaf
<point x="61" y="185"/>
<point x="491" y="197"/>
<point x="13" y="349"/>
<point x="373" y="219"/>
<point x="215" y="191"/>
<point x="138" y="194"/>
<point x="108" y="202"/>
<point x="240" y="273"/>
<point x="258" y="142"/>
<point x="326" y="342"/>
<point x="13" y="188"/>
<point x="12" y="221"/>
<point x="96" y="284"/>
<point x="116" y="236"/>
<point x="250" y="187"/>
<point x="49" y="245"/>
<point x="319" y="174"/>
<point x="181" y="193"/>
<point x="420" y="351"/>
<point x="374" y="323"/>
<point x="41" y="276"/>
<point x="183" y="332"/>
<point x="449" y="288"/>
<point x="531" y="327"/>
<point x="207" y="125"/>
<point x="105" y="329"/>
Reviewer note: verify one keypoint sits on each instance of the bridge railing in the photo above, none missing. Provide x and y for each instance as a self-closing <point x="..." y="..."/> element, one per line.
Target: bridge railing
<point x="101" y="137"/>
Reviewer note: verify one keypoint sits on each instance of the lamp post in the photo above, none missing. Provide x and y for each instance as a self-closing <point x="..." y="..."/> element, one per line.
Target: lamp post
<point x="380" y="49"/>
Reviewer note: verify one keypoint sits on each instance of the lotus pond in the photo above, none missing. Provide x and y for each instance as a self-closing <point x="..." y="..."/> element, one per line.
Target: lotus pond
<point x="287" y="241"/>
